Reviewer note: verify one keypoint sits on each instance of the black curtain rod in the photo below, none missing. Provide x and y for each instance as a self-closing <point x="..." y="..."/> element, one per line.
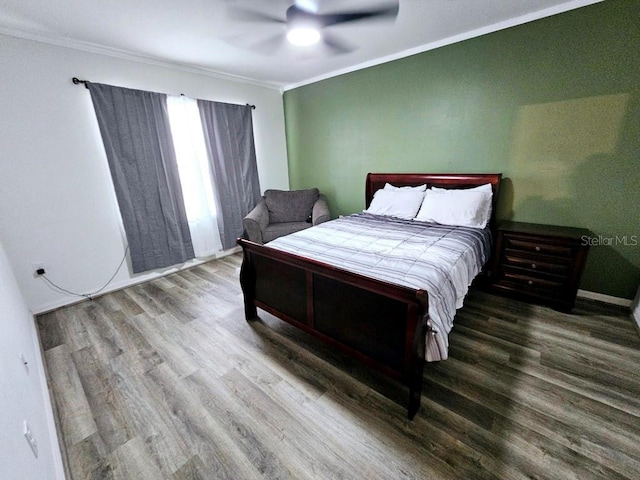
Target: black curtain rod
<point x="77" y="81"/>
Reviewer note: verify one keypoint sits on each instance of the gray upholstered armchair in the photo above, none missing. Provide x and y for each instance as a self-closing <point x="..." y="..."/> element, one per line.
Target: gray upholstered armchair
<point x="281" y="212"/>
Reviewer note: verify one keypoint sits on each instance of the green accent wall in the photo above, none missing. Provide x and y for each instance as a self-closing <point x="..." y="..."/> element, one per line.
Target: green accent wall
<point x="554" y="105"/>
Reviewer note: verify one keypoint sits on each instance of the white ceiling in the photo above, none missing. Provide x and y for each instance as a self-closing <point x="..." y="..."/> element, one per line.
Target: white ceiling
<point x="204" y="35"/>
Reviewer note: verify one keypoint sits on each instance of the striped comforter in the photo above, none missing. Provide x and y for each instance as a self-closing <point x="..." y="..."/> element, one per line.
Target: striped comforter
<point x="440" y="259"/>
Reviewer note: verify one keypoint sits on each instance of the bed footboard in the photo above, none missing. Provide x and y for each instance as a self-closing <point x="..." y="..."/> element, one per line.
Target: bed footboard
<point x="380" y="324"/>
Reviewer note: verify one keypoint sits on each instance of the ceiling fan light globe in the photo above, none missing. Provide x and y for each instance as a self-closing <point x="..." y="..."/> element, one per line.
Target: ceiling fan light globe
<point x="303" y="36"/>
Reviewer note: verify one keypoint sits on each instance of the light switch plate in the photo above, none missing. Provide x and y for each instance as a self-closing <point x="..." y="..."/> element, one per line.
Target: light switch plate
<point x="30" y="439"/>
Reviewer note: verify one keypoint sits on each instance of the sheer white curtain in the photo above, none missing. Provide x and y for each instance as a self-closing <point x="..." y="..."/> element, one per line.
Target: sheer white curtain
<point x="195" y="175"/>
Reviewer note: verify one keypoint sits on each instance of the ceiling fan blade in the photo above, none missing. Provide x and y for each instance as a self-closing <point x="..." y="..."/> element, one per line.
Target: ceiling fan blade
<point x="335" y="44"/>
<point x="329" y="19"/>
<point x="246" y="15"/>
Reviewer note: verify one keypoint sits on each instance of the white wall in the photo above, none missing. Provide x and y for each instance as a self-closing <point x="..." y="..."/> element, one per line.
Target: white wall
<point x="57" y="204"/>
<point x="23" y="396"/>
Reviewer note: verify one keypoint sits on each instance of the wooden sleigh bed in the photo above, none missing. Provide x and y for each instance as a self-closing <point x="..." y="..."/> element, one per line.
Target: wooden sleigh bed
<point x="381" y="324"/>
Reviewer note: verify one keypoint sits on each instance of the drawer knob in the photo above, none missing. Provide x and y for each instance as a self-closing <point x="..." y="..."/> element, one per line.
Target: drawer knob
<point x="534" y="266"/>
<point x="530" y="282"/>
<point x="537" y="249"/>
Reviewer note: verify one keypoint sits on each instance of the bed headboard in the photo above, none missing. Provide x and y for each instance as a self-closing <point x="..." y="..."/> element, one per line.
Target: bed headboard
<point x="376" y="181"/>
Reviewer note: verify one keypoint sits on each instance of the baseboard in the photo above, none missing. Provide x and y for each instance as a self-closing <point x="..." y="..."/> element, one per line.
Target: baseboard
<point x="601" y="297"/>
<point x="59" y="457"/>
<point x="68" y="301"/>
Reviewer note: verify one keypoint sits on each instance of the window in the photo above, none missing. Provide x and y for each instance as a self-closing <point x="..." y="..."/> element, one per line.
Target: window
<point x="195" y="174"/>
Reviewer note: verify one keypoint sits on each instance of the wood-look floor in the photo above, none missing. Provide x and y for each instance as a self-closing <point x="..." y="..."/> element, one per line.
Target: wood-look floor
<point x="165" y="380"/>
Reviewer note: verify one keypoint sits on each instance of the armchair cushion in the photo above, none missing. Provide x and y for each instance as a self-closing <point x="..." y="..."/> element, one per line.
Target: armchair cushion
<point x="290" y="206"/>
<point x="275" y="230"/>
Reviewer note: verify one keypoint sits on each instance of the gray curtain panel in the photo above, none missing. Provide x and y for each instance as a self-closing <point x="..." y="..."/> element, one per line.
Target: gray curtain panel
<point x="228" y="133"/>
<point x="137" y="138"/>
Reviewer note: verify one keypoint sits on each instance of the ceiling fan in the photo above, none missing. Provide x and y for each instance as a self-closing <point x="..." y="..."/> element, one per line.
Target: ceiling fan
<point x="306" y="21"/>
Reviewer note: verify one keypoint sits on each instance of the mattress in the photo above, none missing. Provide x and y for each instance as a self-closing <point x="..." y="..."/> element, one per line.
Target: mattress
<point x="442" y="260"/>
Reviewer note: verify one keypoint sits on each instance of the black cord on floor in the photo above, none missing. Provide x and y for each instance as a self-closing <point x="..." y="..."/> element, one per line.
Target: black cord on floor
<point x="90" y="296"/>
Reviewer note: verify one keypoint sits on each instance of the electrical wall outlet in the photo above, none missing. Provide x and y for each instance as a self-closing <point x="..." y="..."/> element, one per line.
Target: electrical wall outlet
<point x="30" y="439"/>
<point x="36" y="267"/>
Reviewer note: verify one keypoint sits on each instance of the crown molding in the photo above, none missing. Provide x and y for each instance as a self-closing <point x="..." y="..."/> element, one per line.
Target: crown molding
<point x="66" y="42"/>
<point x="512" y="22"/>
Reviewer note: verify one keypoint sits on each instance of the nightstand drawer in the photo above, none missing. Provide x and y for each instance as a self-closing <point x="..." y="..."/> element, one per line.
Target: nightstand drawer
<point x="537" y="264"/>
<point x="530" y="281"/>
<point x="537" y="247"/>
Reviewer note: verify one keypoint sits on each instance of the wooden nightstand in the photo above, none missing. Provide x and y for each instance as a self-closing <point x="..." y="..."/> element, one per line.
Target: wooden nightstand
<point x="539" y="263"/>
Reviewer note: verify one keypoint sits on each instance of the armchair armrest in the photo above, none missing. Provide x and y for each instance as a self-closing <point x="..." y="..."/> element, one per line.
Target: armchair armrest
<point x="256" y="221"/>
<point x="320" y="211"/>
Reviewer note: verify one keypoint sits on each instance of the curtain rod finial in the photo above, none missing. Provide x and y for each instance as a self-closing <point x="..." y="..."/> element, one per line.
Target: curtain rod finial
<point x="77" y="81"/>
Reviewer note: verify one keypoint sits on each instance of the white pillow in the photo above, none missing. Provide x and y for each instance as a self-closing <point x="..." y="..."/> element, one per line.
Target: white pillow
<point x="396" y="203"/>
<point x="465" y="208"/>
<point x="482" y="188"/>
<point x="487" y="188"/>
<point x="419" y="188"/>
